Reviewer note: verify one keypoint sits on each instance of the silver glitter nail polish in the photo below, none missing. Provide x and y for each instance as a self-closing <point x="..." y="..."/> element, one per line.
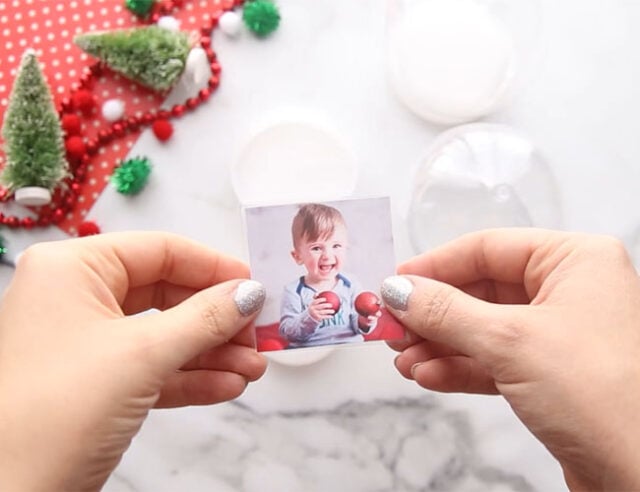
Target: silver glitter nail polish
<point x="396" y="291"/>
<point x="249" y="297"/>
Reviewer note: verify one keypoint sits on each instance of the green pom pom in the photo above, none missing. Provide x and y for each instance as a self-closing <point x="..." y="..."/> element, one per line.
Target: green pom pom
<point x="132" y="175"/>
<point x="139" y="7"/>
<point x="3" y="248"/>
<point x="261" y="17"/>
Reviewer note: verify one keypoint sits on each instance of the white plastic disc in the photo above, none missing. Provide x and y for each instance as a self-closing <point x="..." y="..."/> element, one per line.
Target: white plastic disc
<point x="293" y="162"/>
<point x="32" y="196"/>
<point x="230" y="23"/>
<point x="450" y="61"/>
<point x="197" y="66"/>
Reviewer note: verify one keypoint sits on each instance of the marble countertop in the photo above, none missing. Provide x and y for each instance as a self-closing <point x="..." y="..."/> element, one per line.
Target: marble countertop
<point x="350" y="422"/>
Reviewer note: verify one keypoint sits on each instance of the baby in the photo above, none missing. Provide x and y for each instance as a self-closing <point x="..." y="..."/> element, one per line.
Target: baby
<point x="320" y="244"/>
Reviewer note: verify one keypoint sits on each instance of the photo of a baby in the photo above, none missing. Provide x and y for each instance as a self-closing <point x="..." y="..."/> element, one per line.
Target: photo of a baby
<point x="336" y="262"/>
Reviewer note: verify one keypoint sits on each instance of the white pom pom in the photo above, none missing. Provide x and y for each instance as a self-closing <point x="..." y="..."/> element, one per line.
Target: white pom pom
<point x="169" y="23"/>
<point x="197" y="66"/>
<point x="230" y="23"/>
<point x="113" y="109"/>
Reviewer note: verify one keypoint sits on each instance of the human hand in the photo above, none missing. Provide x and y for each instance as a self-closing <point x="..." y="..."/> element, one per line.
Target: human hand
<point x="78" y="375"/>
<point x="549" y="320"/>
<point x="320" y="309"/>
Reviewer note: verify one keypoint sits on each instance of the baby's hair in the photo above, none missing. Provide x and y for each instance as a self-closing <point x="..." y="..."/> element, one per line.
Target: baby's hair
<point x="314" y="221"/>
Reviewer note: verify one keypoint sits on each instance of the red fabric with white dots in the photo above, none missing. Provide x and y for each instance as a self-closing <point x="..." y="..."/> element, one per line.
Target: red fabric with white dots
<point x="49" y="27"/>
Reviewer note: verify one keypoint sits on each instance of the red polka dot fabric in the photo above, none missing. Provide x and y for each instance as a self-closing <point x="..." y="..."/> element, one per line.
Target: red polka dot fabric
<point x="49" y="28"/>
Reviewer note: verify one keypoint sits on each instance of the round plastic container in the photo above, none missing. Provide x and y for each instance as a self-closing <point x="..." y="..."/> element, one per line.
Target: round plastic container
<point x="454" y="61"/>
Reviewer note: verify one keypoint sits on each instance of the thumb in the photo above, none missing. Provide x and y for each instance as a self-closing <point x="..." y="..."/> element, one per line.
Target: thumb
<point x="439" y="312"/>
<point x="208" y="318"/>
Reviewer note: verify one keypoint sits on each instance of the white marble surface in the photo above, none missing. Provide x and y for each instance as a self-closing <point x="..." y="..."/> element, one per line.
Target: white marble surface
<point x="350" y="422"/>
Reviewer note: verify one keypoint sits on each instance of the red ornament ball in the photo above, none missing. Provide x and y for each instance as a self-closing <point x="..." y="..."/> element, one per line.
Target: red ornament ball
<point x="75" y="147"/>
<point x="162" y="129"/>
<point x="83" y="100"/>
<point x="71" y="124"/>
<point x="332" y="298"/>
<point x="88" y="228"/>
<point x="367" y="304"/>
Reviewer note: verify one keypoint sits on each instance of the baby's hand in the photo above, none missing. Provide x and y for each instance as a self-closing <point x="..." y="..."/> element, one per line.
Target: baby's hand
<point x="368" y="323"/>
<point x="320" y="309"/>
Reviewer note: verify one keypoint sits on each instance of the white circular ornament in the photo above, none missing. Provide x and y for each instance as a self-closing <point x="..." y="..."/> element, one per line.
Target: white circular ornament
<point x="169" y="23"/>
<point x="32" y="196"/>
<point x="197" y="66"/>
<point x="450" y="61"/>
<point x="113" y="109"/>
<point x="230" y="23"/>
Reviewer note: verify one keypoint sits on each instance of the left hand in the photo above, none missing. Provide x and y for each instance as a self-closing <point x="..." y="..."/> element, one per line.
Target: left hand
<point x="78" y="375"/>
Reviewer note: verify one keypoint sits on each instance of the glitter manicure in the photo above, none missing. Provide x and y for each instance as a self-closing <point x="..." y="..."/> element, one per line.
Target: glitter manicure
<point x="396" y="291"/>
<point x="249" y="297"/>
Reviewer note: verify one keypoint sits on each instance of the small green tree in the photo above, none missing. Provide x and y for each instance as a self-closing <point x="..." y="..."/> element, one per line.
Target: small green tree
<point x="153" y="56"/>
<point x="33" y="144"/>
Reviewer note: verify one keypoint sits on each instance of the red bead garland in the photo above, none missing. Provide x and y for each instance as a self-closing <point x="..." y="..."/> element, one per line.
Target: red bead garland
<point x="81" y="151"/>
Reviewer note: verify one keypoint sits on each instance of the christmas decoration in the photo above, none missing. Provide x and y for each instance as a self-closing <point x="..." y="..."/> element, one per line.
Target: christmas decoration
<point x="367" y="304"/>
<point x="88" y="228"/>
<point x="83" y="101"/>
<point x="169" y="22"/>
<point x="3" y="248"/>
<point x="151" y="56"/>
<point x="71" y="124"/>
<point x="75" y="147"/>
<point x="132" y="175"/>
<point x="261" y="17"/>
<point x="33" y="137"/>
<point x="332" y="298"/>
<point x="103" y="139"/>
<point x="139" y="7"/>
<point x="230" y="23"/>
<point x="113" y="109"/>
<point x="163" y="130"/>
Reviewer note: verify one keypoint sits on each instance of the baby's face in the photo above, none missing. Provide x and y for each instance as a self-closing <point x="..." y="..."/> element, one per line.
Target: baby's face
<point x="323" y="258"/>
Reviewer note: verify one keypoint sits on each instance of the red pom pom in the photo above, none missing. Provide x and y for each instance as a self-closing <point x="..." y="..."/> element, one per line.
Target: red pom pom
<point x="71" y="124"/>
<point x="83" y="101"/>
<point x="88" y="229"/>
<point x="162" y="130"/>
<point x="75" y="147"/>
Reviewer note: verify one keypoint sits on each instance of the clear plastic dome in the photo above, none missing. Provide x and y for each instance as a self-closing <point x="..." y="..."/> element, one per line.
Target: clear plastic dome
<point x="480" y="176"/>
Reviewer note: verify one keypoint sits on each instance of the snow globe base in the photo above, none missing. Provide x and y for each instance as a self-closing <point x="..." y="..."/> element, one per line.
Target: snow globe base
<point x="32" y="196"/>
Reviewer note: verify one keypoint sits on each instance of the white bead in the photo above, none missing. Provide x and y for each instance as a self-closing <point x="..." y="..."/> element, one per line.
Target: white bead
<point x="197" y="66"/>
<point x="230" y="23"/>
<point x="169" y="23"/>
<point x="113" y="109"/>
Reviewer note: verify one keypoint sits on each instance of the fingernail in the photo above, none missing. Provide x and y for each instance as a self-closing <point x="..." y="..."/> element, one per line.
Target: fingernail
<point x="249" y="297"/>
<point x="396" y="291"/>
<point x="414" y="368"/>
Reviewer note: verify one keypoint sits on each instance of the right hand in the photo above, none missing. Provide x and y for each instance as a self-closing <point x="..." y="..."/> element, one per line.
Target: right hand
<point x="320" y="309"/>
<point x="549" y="320"/>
